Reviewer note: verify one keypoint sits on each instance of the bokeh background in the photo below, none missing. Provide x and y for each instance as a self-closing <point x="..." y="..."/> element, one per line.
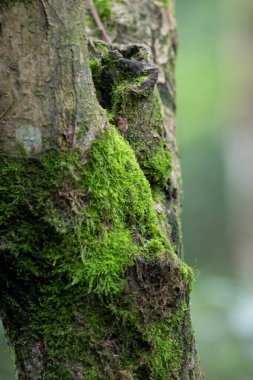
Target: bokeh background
<point x="215" y="136"/>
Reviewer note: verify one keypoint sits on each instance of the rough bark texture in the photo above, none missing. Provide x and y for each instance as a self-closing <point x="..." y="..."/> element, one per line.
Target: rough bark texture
<point x="92" y="282"/>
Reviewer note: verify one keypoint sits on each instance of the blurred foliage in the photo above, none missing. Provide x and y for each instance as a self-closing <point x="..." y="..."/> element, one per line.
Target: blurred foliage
<point x="199" y="85"/>
<point x="211" y="90"/>
<point x="222" y="312"/>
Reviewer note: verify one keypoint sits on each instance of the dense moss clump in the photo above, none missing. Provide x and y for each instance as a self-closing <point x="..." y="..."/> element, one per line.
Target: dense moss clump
<point x="86" y="265"/>
<point x="125" y="80"/>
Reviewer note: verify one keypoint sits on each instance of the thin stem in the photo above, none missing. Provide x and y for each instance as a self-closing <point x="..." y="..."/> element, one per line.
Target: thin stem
<point x="98" y="21"/>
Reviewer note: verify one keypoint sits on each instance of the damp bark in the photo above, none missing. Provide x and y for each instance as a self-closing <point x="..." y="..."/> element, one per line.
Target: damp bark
<point x="93" y="283"/>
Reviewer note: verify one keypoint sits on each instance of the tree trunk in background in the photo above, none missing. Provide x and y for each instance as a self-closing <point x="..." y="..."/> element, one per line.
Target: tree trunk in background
<point x="92" y="281"/>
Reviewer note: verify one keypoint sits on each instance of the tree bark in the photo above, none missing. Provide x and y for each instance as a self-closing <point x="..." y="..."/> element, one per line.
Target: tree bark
<point x="92" y="284"/>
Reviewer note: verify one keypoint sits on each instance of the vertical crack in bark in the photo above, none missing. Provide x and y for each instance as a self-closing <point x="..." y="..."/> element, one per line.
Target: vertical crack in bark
<point x="48" y="24"/>
<point x="72" y="128"/>
<point x="8" y="108"/>
<point x="46" y="4"/>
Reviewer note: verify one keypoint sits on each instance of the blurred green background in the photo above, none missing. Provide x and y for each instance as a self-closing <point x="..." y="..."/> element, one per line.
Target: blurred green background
<point x="215" y="135"/>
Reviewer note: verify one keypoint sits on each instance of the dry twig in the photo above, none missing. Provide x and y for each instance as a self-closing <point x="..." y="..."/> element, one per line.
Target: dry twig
<point x="98" y="21"/>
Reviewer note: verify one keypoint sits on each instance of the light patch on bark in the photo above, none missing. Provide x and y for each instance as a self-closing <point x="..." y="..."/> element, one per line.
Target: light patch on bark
<point x="30" y="138"/>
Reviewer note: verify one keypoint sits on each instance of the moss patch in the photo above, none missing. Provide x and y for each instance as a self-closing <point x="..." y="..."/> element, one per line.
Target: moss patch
<point x="93" y="282"/>
<point x="167" y="340"/>
<point x="125" y="83"/>
<point x="109" y="202"/>
<point x="75" y="239"/>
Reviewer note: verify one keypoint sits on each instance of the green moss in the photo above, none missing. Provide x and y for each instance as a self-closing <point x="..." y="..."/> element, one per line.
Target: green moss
<point x="120" y="202"/>
<point x="152" y="153"/>
<point x="167" y="341"/>
<point x="77" y="236"/>
<point x="188" y="274"/>
<point x="95" y="67"/>
<point x="101" y="233"/>
<point x="126" y="88"/>
<point x="157" y="105"/>
<point x="92" y="373"/>
<point x="74" y="231"/>
<point x="157" y="194"/>
<point x="157" y="167"/>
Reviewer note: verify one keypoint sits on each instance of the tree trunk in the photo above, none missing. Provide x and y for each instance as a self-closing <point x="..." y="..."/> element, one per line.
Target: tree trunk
<point x="92" y="281"/>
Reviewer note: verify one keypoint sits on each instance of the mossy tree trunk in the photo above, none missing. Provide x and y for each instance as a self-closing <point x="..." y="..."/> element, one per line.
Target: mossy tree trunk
<point x="92" y="281"/>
